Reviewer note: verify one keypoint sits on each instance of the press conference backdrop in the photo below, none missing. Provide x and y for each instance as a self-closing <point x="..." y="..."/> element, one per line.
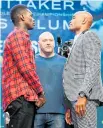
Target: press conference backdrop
<point x="53" y="16"/>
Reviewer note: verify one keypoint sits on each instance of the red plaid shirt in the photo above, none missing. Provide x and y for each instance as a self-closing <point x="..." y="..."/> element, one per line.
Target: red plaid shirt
<point x="19" y="71"/>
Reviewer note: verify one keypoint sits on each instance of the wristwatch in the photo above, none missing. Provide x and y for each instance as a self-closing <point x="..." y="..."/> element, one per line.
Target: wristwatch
<point x="82" y="94"/>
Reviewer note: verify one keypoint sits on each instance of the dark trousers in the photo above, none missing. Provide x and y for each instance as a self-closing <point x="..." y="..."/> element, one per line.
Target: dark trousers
<point x="68" y="126"/>
<point x="21" y="113"/>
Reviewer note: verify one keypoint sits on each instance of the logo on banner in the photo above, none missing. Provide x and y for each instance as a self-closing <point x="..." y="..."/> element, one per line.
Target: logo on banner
<point x="43" y="4"/>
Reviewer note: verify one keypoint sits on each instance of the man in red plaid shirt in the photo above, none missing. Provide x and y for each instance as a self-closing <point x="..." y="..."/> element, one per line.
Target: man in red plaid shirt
<point x="21" y="88"/>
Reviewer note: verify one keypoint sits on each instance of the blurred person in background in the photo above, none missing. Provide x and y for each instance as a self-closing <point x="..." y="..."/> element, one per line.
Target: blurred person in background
<point x="49" y="69"/>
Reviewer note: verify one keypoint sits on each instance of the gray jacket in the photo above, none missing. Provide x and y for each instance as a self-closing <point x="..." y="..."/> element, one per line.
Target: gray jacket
<point x="82" y="71"/>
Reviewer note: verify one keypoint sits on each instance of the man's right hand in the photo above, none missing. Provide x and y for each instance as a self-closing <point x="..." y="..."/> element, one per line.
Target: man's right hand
<point x="40" y="102"/>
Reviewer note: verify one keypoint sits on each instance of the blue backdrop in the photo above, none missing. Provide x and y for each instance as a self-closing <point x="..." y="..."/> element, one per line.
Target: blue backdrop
<point x="53" y="16"/>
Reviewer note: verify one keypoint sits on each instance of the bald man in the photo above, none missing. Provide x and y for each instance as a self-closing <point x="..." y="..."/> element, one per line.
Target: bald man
<point x="82" y="74"/>
<point x="49" y="69"/>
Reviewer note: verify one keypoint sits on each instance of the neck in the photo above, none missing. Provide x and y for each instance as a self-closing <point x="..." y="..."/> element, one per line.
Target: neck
<point x="47" y="55"/>
<point x="81" y="30"/>
<point x="21" y="26"/>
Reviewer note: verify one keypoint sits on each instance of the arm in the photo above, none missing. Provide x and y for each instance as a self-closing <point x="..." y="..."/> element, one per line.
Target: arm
<point x="91" y="49"/>
<point x="23" y="57"/>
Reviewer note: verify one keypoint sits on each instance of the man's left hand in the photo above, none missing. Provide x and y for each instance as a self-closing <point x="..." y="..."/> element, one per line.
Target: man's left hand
<point x="80" y="106"/>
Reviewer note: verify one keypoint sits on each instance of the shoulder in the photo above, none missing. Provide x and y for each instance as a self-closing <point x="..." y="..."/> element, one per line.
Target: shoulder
<point x="13" y="34"/>
<point x="92" y="37"/>
<point x="91" y="34"/>
<point x="17" y="33"/>
<point x="61" y="58"/>
<point x="10" y="35"/>
<point x="10" y="38"/>
<point x="91" y="41"/>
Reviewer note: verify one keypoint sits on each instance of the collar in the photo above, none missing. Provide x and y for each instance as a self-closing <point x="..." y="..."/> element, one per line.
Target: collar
<point x="76" y="36"/>
<point x="22" y="30"/>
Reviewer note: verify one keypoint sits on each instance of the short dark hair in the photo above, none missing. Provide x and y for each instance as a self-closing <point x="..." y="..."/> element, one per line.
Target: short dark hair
<point x="17" y="9"/>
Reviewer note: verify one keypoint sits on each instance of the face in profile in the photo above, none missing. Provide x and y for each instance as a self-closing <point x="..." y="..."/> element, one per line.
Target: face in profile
<point x="76" y="22"/>
<point x="92" y="6"/>
<point x="46" y="43"/>
<point x="28" y="19"/>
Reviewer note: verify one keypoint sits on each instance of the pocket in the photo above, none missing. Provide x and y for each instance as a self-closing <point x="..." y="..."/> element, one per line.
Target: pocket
<point x="79" y="76"/>
<point x="14" y="107"/>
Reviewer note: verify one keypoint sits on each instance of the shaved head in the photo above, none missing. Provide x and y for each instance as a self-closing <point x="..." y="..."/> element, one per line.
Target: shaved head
<point x="86" y="15"/>
<point x="45" y="34"/>
<point x="81" y="21"/>
<point x="46" y="44"/>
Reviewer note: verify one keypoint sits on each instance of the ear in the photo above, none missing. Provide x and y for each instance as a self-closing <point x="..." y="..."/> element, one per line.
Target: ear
<point x="22" y="17"/>
<point x="85" y="20"/>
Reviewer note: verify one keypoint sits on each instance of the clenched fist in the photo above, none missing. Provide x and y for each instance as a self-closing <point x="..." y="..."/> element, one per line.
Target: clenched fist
<point x="41" y="101"/>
